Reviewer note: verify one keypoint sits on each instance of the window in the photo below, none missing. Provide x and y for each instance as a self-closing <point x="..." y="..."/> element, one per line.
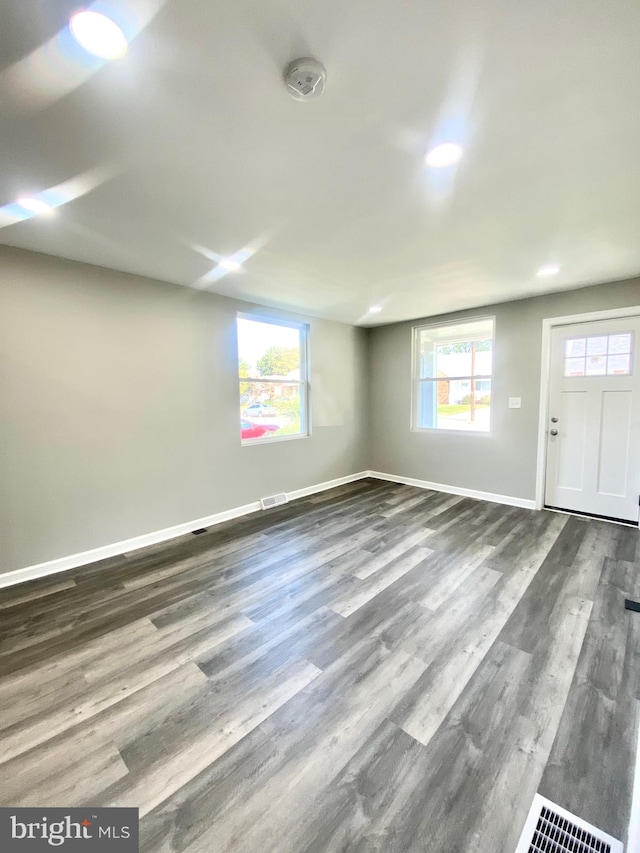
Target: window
<point x="599" y="355"/>
<point x="452" y="376"/>
<point x="272" y="373"/>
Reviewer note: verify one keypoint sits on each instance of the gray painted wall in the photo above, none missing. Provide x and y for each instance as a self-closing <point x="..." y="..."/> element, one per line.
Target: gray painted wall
<point x="504" y="462"/>
<point x="119" y="405"/>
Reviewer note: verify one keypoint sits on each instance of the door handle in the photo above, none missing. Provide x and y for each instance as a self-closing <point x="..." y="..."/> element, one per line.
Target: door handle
<point x="554" y="432"/>
<point x="554" y="420"/>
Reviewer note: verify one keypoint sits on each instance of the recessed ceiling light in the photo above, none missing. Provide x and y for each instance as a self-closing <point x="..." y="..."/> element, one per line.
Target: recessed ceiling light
<point x="447" y="154"/>
<point x="34" y="205"/>
<point x="549" y="269"/>
<point x="230" y="264"/>
<point x="375" y="309"/>
<point x="98" y="35"/>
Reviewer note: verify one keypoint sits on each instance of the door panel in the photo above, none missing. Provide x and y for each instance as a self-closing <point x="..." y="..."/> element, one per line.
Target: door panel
<point x="572" y="452"/>
<point x="614" y="443"/>
<point x="593" y="459"/>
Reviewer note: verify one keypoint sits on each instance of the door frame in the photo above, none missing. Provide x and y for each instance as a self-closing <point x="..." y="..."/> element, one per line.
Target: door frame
<point x="548" y="324"/>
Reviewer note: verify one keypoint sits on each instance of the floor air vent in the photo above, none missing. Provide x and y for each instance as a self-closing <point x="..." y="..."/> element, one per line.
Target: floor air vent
<point x="550" y="829"/>
<point x="273" y="500"/>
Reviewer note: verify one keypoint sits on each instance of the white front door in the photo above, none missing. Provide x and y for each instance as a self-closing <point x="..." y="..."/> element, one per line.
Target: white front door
<point x="593" y="433"/>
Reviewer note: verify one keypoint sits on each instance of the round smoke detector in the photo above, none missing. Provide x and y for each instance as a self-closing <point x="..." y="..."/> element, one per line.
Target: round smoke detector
<point x="305" y="79"/>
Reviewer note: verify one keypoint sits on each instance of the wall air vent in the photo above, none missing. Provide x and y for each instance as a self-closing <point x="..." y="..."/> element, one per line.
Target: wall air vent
<point x="551" y="829"/>
<point x="274" y="500"/>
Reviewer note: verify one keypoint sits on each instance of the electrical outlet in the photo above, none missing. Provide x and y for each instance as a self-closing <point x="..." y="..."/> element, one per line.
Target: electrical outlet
<point x="515" y="402"/>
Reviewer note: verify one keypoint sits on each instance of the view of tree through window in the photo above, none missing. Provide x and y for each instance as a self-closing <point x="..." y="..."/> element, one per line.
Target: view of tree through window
<point x="452" y="376"/>
<point x="272" y="378"/>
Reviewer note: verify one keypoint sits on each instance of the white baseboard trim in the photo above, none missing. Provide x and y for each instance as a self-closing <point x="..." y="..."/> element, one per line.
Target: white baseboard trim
<point x="330" y="484"/>
<point x="455" y="490"/>
<point x="74" y="561"/>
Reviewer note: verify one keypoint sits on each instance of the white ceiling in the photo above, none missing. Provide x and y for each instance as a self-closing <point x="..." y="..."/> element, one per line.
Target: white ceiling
<point x="190" y="147"/>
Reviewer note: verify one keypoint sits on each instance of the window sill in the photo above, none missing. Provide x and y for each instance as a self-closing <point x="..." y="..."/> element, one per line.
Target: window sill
<point x="248" y="442"/>
<point x="435" y="431"/>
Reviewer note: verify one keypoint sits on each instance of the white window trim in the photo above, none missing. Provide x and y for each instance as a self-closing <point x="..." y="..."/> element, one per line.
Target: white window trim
<point x="303" y="383"/>
<point x="416" y="379"/>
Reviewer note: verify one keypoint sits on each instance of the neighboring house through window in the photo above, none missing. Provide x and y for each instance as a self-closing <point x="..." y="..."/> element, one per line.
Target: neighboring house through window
<point x="273" y="378"/>
<point x="452" y="371"/>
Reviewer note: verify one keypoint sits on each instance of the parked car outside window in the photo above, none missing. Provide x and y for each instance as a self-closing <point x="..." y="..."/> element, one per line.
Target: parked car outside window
<point x="260" y="410"/>
<point x="250" y="430"/>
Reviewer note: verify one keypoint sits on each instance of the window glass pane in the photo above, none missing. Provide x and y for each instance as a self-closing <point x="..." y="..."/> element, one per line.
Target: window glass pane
<point x="596" y="365"/>
<point x="464" y="358"/>
<point x="620" y="343"/>
<point x="427" y="358"/>
<point x="459" y="349"/>
<point x="597" y="346"/>
<point x="452" y="404"/>
<point x="267" y="349"/>
<point x="272" y="379"/>
<point x="453" y="382"/>
<point x="574" y="347"/>
<point x="428" y="398"/>
<point x="574" y="367"/>
<point x="464" y="408"/>
<point x="269" y="410"/>
<point x="454" y="360"/>
<point x="619" y="365"/>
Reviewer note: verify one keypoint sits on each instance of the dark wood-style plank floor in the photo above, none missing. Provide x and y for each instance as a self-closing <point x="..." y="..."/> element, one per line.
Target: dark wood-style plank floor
<point x="375" y="668"/>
